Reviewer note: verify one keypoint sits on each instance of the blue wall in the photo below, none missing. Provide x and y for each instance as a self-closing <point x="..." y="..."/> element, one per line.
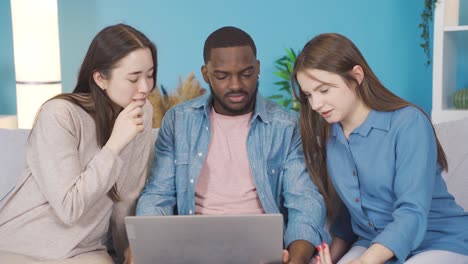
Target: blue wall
<point x="462" y="54"/>
<point x="7" y="67"/>
<point x="386" y="32"/>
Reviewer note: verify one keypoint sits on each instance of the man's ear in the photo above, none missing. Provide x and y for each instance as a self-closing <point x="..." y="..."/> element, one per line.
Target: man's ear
<point x="258" y="67"/>
<point x="358" y="73"/>
<point x="204" y="72"/>
<point x="99" y="80"/>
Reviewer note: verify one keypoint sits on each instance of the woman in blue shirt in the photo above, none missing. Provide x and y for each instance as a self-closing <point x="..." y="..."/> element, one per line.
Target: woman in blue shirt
<point x="377" y="162"/>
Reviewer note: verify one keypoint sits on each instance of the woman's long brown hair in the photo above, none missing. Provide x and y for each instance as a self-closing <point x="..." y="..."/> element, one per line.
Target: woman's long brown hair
<point x="337" y="54"/>
<point x="108" y="47"/>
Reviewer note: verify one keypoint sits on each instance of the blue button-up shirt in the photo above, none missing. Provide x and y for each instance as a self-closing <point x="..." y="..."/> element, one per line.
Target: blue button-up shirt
<point x="388" y="178"/>
<point x="276" y="161"/>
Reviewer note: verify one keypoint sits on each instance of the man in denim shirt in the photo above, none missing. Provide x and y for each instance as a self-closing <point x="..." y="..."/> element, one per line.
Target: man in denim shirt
<point x="233" y="152"/>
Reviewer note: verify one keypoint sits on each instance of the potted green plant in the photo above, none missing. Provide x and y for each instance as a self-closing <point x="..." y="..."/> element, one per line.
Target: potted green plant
<point x="427" y="16"/>
<point x="284" y="67"/>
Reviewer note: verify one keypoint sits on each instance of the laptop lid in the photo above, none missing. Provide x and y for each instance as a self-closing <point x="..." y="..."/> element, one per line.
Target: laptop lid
<point x="206" y="238"/>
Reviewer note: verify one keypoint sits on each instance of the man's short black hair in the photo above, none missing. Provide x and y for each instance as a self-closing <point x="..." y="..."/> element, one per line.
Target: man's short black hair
<point x="226" y="37"/>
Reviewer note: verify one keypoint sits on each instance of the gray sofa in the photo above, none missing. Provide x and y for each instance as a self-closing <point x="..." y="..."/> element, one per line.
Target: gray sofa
<point x="12" y="156"/>
<point x="452" y="135"/>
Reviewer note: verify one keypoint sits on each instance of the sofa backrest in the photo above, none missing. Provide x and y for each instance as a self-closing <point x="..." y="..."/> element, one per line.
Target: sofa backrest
<point x="13" y="153"/>
<point x="453" y="137"/>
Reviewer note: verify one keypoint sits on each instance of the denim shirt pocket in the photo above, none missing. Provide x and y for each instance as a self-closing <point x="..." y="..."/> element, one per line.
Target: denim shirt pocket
<point x="181" y="159"/>
<point x="274" y="173"/>
<point x="273" y="169"/>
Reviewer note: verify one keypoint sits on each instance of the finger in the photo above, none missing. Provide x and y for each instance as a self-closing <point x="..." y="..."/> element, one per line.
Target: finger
<point x="326" y="252"/>
<point x="140" y="128"/>
<point x="317" y="260"/>
<point x="138" y="121"/>
<point x="133" y="105"/>
<point x="135" y="112"/>
<point x="320" y="254"/>
<point x="285" y="256"/>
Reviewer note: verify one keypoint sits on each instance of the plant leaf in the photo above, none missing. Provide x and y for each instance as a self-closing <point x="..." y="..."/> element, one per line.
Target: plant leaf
<point x="290" y="53"/>
<point x="283" y="83"/>
<point x="282" y="75"/>
<point x="275" y="96"/>
<point x="284" y="67"/>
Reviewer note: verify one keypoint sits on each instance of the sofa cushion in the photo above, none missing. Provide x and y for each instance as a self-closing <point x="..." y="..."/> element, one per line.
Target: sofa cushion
<point x="453" y="137"/>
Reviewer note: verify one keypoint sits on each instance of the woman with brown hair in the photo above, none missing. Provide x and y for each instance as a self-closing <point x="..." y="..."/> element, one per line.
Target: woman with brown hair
<point x="377" y="162"/>
<point x="86" y="158"/>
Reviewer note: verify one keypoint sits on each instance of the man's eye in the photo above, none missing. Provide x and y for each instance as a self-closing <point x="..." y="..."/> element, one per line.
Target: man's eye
<point x="221" y="77"/>
<point x="133" y="81"/>
<point x="246" y="76"/>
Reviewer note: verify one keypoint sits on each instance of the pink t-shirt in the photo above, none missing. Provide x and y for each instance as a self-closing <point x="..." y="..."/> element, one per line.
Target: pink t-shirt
<point x="226" y="185"/>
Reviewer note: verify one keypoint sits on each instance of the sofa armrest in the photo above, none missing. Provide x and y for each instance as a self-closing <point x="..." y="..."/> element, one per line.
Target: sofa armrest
<point x="453" y="137"/>
<point x="12" y="157"/>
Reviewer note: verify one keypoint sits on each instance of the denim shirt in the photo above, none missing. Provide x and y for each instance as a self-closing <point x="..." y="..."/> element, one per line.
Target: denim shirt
<point x="387" y="175"/>
<point x="276" y="161"/>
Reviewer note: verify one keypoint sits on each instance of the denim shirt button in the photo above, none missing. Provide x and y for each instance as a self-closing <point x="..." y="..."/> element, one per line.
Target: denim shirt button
<point x="190" y="212"/>
<point x="273" y="171"/>
<point x="191" y="181"/>
<point x="200" y="154"/>
<point x="175" y="161"/>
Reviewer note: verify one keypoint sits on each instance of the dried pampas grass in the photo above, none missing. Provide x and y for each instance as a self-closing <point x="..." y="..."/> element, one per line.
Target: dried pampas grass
<point x="187" y="89"/>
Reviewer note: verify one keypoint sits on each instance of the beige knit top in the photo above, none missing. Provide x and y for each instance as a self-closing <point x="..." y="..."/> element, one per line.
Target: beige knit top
<point x="59" y="207"/>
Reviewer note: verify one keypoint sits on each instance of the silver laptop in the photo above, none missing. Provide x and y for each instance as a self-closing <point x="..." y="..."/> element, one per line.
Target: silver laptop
<point x="208" y="239"/>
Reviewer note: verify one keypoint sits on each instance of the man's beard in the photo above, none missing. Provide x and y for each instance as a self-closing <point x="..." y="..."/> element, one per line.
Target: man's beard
<point x="248" y="107"/>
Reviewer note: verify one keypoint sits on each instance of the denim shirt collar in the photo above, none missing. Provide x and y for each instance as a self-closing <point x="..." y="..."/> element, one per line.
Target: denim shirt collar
<point x="375" y="119"/>
<point x="205" y="103"/>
